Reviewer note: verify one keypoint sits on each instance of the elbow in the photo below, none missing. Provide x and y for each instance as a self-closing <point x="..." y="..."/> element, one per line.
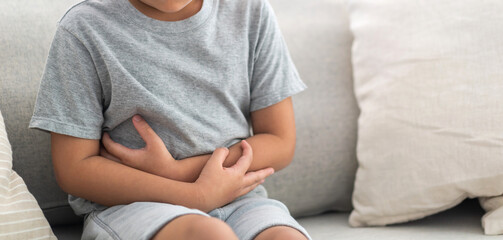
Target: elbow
<point x="289" y="151"/>
<point x="288" y="154"/>
<point x="62" y="179"/>
<point x="65" y="176"/>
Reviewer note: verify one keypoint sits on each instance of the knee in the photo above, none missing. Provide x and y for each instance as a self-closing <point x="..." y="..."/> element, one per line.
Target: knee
<point x="281" y="233"/>
<point x="196" y="227"/>
<point x="210" y="228"/>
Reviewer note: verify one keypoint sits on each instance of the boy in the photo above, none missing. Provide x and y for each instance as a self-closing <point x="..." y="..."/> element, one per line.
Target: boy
<point x="199" y="72"/>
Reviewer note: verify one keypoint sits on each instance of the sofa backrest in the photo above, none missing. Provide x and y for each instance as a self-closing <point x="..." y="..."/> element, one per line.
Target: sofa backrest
<point x="27" y="28"/>
<point x="321" y="175"/>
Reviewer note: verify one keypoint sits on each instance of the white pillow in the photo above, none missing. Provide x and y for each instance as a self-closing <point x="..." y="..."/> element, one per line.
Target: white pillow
<point x="429" y="82"/>
<point x="20" y="215"/>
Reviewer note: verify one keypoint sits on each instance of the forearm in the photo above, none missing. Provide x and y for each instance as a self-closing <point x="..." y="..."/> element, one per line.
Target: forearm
<point x="109" y="183"/>
<point x="268" y="151"/>
<point x="80" y="171"/>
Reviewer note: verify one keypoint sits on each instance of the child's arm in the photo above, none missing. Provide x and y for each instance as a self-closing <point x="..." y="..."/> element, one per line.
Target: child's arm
<point x="81" y="172"/>
<point x="273" y="145"/>
<point x="273" y="141"/>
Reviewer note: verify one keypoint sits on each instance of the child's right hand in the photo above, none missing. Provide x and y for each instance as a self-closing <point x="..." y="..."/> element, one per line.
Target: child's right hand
<point x="218" y="185"/>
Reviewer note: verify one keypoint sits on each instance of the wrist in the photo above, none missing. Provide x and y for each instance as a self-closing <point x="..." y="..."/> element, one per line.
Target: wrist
<point x="174" y="170"/>
<point x="188" y="169"/>
<point x="199" y="198"/>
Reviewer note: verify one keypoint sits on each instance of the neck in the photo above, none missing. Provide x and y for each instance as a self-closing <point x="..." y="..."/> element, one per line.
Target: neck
<point x="150" y="11"/>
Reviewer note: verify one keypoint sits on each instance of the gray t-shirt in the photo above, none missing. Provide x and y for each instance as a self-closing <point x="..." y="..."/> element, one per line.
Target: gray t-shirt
<point x="195" y="81"/>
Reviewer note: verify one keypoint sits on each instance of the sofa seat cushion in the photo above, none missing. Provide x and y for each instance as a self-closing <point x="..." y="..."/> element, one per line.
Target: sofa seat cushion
<point x="460" y="223"/>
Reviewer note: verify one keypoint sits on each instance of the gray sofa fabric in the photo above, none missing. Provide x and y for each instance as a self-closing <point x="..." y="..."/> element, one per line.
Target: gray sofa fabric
<point x="322" y="173"/>
<point x="459" y="223"/>
<point x="26" y="29"/>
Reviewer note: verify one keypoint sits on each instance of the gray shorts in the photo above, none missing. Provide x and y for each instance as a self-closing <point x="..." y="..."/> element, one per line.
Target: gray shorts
<point x="248" y="216"/>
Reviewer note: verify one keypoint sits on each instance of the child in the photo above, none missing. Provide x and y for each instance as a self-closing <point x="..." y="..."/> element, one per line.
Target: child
<point x="200" y="72"/>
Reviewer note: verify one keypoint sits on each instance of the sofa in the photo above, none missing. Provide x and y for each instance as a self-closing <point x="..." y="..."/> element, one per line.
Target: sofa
<point x="317" y="187"/>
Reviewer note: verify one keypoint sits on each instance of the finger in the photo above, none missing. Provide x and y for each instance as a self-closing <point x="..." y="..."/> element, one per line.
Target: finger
<point x="218" y="157"/>
<point x="248" y="189"/>
<point x="244" y="162"/>
<point x="104" y="153"/>
<point x="146" y="132"/>
<point x="251" y="178"/>
<point x="116" y="149"/>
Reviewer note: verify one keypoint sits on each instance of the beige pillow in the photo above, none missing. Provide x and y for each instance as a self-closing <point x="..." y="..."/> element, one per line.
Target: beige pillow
<point x="429" y="81"/>
<point x="20" y="215"/>
<point x="493" y="219"/>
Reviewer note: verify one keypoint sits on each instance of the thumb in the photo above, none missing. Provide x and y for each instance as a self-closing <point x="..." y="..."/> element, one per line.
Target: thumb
<point x="117" y="149"/>
<point x="244" y="162"/>
<point x="146" y="132"/>
<point x="218" y="157"/>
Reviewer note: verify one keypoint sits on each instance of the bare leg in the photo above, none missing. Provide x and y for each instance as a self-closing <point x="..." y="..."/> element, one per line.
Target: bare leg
<point x="195" y="226"/>
<point x="281" y="233"/>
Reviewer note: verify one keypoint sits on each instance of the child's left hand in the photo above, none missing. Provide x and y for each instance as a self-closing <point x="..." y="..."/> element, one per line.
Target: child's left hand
<point x="154" y="158"/>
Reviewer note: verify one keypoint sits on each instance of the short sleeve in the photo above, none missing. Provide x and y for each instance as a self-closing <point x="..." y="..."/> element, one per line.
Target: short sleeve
<point x="274" y="76"/>
<point x="69" y="100"/>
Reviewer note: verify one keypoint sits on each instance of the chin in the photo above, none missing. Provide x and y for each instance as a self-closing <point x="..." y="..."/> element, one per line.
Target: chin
<point x="168" y="6"/>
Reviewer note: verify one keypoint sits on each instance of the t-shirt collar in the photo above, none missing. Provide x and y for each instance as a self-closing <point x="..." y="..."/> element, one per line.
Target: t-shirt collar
<point x="163" y="27"/>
